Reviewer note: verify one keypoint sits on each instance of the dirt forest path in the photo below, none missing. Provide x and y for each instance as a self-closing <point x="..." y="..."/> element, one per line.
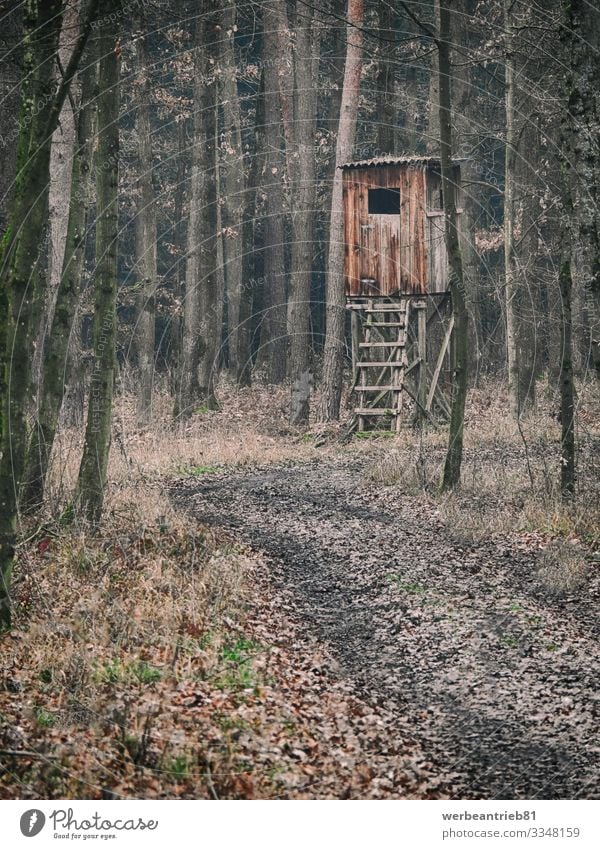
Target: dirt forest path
<point x="495" y="678"/>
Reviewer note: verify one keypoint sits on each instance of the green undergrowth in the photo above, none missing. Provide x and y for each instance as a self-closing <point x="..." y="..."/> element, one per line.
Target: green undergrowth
<point x="198" y="471"/>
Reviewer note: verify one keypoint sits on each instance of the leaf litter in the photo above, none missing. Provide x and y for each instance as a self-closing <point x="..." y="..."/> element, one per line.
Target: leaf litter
<point x="463" y="655"/>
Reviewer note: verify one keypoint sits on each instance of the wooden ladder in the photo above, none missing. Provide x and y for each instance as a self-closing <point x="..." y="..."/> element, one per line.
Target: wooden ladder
<point x="381" y="362"/>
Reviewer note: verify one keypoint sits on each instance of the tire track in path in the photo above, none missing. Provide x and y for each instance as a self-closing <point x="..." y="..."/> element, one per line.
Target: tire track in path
<point x="495" y="679"/>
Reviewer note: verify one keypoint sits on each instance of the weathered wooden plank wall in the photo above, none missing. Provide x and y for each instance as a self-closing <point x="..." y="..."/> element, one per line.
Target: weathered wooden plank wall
<point x="388" y="254"/>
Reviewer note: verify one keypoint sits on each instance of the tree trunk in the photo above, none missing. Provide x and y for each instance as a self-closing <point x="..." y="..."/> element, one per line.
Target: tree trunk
<point x="335" y="63"/>
<point x="452" y="465"/>
<point x="20" y="270"/>
<point x="432" y="139"/>
<point x="284" y="27"/>
<point x="510" y="281"/>
<point x="61" y="164"/>
<point x="584" y="114"/>
<point x="21" y="283"/>
<point x="10" y="75"/>
<point x="145" y="238"/>
<point x="520" y="340"/>
<point x="577" y="156"/>
<point x="250" y="280"/>
<point x="411" y="100"/>
<point x="179" y="238"/>
<point x="188" y="390"/>
<point x="567" y="387"/>
<point x="232" y="168"/>
<point x="271" y="357"/>
<point x="385" y="81"/>
<point x="306" y="65"/>
<point x="56" y="348"/>
<point x="335" y="311"/>
<point x="91" y="483"/>
<point x="220" y="256"/>
<point x="211" y="294"/>
<point x="468" y="135"/>
<point x="201" y="315"/>
<point x="62" y="151"/>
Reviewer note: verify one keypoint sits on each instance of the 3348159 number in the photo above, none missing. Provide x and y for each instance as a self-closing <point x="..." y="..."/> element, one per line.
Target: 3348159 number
<point x="554" y="832"/>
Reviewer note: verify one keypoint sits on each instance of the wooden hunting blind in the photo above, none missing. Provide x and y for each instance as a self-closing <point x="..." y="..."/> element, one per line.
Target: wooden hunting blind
<point x="395" y="265"/>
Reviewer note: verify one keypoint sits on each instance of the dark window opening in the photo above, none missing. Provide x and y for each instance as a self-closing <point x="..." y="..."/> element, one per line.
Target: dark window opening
<point x="384" y="201"/>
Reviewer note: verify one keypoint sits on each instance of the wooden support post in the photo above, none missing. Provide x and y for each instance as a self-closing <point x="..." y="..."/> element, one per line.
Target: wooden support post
<point x="400" y="373"/>
<point x="438" y="366"/>
<point x="355" y="329"/>
<point x="363" y="371"/>
<point x="421" y="308"/>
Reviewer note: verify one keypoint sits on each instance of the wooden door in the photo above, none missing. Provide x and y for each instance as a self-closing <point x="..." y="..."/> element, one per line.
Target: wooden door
<point x="380" y="241"/>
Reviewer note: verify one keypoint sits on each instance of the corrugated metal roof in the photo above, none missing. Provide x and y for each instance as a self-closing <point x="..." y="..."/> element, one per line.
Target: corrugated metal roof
<point x="401" y="159"/>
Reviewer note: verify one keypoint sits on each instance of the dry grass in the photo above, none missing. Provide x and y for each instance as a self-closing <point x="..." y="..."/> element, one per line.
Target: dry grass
<point x="109" y="624"/>
<point x="510" y="472"/>
<point x="105" y="623"/>
<point x="150" y="660"/>
<point x="562" y="569"/>
<point x="133" y="668"/>
<point x="119" y="631"/>
<point x="250" y="428"/>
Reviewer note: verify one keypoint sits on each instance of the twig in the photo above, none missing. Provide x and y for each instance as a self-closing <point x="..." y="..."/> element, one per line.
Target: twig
<point x="28" y="539"/>
<point x="529" y="470"/>
<point x="420" y="23"/>
<point x="209" y="780"/>
<point x="418" y="403"/>
<point x="26" y="753"/>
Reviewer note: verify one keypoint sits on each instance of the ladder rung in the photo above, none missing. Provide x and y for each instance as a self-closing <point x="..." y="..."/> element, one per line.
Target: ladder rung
<point x="384" y="309"/>
<point x="386" y="324"/>
<point x="367" y="364"/>
<point x="381" y="345"/>
<point x="359" y="388"/>
<point x="375" y="411"/>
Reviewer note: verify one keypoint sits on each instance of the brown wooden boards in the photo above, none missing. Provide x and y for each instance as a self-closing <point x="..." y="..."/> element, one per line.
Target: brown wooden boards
<point x="394" y="228"/>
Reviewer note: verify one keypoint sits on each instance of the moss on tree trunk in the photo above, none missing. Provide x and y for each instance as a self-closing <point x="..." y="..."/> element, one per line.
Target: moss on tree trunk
<point x="54" y="361"/>
<point x="21" y="261"/>
<point x="94" y="462"/>
<point x="22" y="254"/>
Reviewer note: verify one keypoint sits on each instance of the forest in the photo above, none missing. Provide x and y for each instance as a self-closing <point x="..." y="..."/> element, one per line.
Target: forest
<point x="300" y="399"/>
